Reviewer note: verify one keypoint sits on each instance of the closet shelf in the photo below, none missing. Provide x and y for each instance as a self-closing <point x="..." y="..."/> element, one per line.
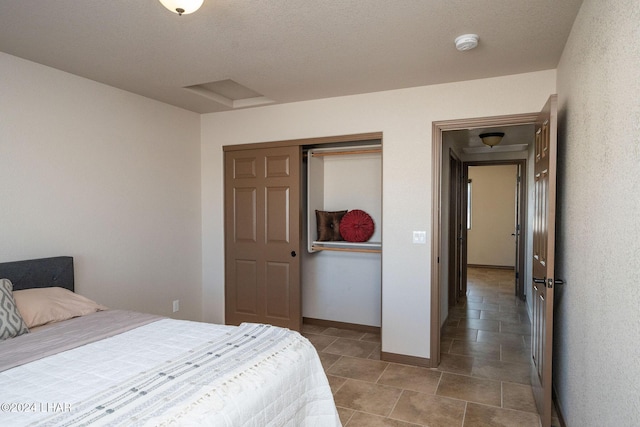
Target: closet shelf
<point x="365" y="247"/>
<point x="346" y="152"/>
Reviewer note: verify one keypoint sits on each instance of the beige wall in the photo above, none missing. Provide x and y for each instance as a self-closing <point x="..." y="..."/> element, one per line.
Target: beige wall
<point x="597" y="333"/>
<point x="490" y="240"/>
<point x="405" y="117"/>
<point x="106" y="176"/>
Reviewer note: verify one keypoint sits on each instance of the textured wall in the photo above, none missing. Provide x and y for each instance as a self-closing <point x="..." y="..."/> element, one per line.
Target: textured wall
<point x="597" y="339"/>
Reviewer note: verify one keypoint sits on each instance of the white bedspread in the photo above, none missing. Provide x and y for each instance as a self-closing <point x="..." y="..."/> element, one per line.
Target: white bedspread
<point x="163" y="373"/>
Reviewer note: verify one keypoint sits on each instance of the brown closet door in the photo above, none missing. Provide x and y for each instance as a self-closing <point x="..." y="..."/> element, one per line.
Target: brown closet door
<point x="262" y="237"/>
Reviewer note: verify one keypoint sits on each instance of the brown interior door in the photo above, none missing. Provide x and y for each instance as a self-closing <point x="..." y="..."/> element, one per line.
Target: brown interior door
<point x="518" y="240"/>
<point x="543" y="257"/>
<point x="456" y="207"/>
<point x="262" y="237"/>
<point x="464" y="232"/>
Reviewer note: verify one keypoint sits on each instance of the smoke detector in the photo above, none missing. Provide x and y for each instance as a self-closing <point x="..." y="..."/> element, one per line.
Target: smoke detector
<point x="466" y="42"/>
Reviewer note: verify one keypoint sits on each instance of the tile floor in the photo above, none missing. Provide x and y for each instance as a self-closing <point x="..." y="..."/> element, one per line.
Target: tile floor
<point x="482" y="380"/>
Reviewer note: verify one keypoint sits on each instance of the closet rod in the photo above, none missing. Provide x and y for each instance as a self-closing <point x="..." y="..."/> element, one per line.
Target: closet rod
<point x="342" y="153"/>
<point x="371" y="251"/>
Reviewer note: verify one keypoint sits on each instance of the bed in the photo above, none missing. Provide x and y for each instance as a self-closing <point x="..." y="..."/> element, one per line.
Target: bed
<point x="115" y="367"/>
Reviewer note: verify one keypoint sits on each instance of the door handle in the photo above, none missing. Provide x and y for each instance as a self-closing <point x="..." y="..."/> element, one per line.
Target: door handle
<point x="293" y="254"/>
<point x="552" y="282"/>
<point x="539" y="281"/>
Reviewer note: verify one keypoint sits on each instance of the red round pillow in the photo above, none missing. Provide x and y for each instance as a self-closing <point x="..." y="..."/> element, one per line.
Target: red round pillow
<point x="356" y="226"/>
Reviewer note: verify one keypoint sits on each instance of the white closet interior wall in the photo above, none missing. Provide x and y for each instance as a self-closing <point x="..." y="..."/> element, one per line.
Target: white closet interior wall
<point x="343" y="286"/>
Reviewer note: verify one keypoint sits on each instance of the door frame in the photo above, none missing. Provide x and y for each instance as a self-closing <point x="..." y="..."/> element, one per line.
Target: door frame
<point x="438" y="127"/>
<point x="521" y="208"/>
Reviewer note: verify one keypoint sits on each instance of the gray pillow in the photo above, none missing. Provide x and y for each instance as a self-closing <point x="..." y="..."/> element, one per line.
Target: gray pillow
<point x="11" y="323"/>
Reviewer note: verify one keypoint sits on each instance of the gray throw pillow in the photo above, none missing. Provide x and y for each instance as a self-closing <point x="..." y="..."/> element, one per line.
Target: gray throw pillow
<point x="11" y="323"/>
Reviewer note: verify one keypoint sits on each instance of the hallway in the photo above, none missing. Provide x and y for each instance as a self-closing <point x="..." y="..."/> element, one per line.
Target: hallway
<point x="485" y="346"/>
<point x="488" y="336"/>
<point x="483" y="378"/>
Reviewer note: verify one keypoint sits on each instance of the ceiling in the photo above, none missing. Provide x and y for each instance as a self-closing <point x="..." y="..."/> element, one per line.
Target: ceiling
<point x="516" y="138"/>
<point x="282" y="51"/>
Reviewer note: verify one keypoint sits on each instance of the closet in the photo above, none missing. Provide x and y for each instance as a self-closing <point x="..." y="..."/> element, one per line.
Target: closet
<point x="276" y="269"/>
<point x="341" y="281"/>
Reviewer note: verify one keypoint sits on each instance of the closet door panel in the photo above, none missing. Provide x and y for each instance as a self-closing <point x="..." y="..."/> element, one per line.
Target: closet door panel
<point x="278" y="286"/>
<point x="246" y="287"/>
<point x="262" y="236"/>
<point x="278" y="166"/>
<point x="244" y="167"/>
<point x="277" y="213"/>
<point x="245" y="215"/>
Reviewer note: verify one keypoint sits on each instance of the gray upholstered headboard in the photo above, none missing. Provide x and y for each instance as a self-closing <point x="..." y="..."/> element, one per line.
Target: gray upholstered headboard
<point x="39" y="273"/>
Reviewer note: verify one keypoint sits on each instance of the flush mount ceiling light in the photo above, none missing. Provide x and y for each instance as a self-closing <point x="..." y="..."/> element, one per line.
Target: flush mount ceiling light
<point x="182" y="7"/>
<point x="466" y="42"/>
<point x="491" y="139"/>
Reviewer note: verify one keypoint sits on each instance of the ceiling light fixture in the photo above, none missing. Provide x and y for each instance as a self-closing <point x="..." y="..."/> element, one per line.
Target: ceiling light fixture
<point x="182" y="7"/>
<point x="491" y="139"/>
<point x="466" y="42"/>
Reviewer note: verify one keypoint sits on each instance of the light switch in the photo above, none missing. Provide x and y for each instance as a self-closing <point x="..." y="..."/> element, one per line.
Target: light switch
<point x="420" y="237"/>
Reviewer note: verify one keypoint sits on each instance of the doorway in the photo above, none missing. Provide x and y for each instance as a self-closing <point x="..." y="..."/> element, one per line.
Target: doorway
<point x="495" y="209"/>
<point x="486" y="213"/>
<point x="441" y="242"/>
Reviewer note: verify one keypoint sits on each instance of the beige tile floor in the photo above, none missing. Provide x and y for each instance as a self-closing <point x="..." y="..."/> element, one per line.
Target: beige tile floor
<point x="482" y="380"/>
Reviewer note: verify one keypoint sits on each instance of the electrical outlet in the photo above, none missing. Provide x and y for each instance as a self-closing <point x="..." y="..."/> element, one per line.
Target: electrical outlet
<point x="176" y="305"/>
<point x="420" y="237"/>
